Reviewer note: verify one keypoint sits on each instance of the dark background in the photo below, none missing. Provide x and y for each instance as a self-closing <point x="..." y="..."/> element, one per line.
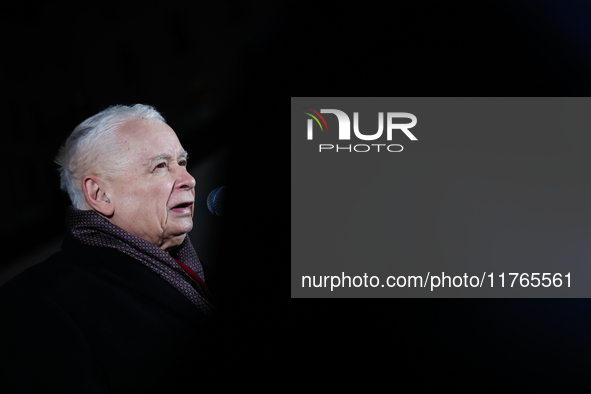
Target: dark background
<point x="219" y="71"/>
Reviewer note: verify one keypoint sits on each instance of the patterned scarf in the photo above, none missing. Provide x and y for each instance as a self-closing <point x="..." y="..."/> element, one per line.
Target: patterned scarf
<point x="90" y="228"/>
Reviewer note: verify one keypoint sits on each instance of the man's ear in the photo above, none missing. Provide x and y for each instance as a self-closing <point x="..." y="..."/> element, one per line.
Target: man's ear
<point x="94" y="192"/>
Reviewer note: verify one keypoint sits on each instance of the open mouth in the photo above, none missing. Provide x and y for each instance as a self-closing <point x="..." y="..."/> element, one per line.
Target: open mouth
<point x="184" y="207"/>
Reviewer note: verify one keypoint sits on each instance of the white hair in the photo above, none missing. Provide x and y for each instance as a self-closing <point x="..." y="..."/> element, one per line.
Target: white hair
<point x="85" y="150"/>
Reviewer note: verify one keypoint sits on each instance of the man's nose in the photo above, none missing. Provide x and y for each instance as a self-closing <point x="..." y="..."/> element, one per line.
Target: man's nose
<point x="185" y="181"/>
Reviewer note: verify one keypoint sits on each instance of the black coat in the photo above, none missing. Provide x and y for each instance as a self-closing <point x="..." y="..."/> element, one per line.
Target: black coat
<point x="93" y="320"/>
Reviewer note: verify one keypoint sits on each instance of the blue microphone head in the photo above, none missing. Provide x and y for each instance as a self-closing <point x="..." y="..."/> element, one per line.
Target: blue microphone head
<point x="215" y="200"/>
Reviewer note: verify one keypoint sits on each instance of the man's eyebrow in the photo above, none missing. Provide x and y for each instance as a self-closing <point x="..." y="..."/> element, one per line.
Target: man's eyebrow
<point x="184" y="155"/>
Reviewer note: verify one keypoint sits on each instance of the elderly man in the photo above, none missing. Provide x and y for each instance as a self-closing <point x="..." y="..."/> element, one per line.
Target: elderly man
<point x="124" y="306"/>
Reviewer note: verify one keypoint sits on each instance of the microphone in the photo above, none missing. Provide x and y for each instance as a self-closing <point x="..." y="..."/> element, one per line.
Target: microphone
<point x="215" y="200"/>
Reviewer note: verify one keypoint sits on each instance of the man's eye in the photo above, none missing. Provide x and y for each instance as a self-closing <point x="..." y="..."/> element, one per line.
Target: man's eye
<point x="161" y="165"/>
<point x="183" y="163"/>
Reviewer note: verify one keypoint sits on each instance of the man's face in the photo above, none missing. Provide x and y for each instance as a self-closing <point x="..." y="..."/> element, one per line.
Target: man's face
<point x="152" y="192"/>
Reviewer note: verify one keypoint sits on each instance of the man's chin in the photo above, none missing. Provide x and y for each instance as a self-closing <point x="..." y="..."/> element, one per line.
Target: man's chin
<point x="180" y="226"/>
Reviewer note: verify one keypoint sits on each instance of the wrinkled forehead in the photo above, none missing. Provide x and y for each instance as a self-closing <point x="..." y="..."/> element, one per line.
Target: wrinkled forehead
<point x="144" y="139"/>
